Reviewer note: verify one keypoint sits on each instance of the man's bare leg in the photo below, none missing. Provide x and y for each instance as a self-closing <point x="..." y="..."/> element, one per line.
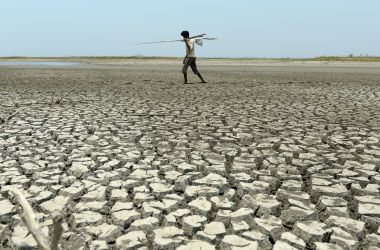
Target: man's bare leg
<point x="200" y="77"/>
<point x="185" y="77"/>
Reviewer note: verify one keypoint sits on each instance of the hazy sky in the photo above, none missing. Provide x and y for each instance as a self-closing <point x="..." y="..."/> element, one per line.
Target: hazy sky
<point x="245" y="28"/>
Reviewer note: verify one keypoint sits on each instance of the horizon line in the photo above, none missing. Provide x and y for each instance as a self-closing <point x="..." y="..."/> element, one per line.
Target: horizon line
<point x="177" y="57"/>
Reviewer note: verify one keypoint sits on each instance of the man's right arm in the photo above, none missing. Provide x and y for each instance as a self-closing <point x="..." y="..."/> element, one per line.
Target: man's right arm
<point x="187" y="43"/>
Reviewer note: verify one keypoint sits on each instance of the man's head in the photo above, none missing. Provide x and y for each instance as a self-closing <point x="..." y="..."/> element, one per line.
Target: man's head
<point x="185" y="34"/>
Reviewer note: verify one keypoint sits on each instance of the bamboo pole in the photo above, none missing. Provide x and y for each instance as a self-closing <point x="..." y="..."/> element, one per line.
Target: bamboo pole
<point x="29" y="218"/>
<point x="179" y="40"/>
<point x="57" y="230"/>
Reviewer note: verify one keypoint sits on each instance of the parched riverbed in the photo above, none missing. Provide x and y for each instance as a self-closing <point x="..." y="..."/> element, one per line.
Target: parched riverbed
<point x="260" y="157"/>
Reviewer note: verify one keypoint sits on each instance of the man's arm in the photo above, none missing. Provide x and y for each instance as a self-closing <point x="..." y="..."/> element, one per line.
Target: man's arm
<point x="187" y="43"/>
<point x="188" y="47"/>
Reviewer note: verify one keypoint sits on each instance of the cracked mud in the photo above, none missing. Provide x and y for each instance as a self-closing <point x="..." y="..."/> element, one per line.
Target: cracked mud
<point x="136" y="160"/>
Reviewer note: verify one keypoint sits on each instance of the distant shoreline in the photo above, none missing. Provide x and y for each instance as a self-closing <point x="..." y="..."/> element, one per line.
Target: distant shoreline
<point x="95" y="58"/>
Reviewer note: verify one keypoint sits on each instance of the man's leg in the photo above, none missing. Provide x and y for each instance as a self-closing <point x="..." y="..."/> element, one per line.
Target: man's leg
<point x="184" y="69"/>
<point x="195" y="70"/>
<point x="185" y="77"/>
<point x="200" y="77"/>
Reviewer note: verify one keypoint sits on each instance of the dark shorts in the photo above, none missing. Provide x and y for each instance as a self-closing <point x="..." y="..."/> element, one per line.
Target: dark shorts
<point x="190" y="61"/>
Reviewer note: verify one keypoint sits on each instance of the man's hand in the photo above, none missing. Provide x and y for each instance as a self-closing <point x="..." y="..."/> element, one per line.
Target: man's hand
<point x="184" y="60"/>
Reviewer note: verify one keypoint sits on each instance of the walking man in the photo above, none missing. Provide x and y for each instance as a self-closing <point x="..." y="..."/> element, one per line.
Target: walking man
<point x="190" y="59"/>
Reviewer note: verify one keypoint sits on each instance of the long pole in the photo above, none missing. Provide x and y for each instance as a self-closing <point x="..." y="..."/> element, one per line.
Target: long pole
<point x="171" y="41"/>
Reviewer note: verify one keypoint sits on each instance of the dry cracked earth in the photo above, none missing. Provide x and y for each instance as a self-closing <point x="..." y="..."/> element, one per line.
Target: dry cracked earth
<point x="134" y="159"/>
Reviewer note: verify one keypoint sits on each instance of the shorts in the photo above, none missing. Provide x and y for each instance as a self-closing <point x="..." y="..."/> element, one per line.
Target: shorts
<point x="190" y="61"/>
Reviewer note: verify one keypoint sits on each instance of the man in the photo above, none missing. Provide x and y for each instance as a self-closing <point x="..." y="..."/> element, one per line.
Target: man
<point x="190" y="59"/>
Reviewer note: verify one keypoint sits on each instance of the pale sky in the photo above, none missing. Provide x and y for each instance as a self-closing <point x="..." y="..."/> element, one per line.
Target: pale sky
<point x="245" y="28"/>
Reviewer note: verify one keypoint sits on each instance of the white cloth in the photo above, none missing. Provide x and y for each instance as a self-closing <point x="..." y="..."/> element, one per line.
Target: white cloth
<point x="199" y="41"/>
<point x="190" y="52"/>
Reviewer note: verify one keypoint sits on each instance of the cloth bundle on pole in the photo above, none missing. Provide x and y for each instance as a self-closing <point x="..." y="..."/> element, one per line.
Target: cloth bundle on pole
<point x="198" y="41"/>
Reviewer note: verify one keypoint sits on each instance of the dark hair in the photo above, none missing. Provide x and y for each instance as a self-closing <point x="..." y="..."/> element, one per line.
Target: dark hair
<point x="185" y="34"/>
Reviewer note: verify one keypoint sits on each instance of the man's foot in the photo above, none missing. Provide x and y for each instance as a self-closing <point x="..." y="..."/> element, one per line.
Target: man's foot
<point x="203" y="81"/>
